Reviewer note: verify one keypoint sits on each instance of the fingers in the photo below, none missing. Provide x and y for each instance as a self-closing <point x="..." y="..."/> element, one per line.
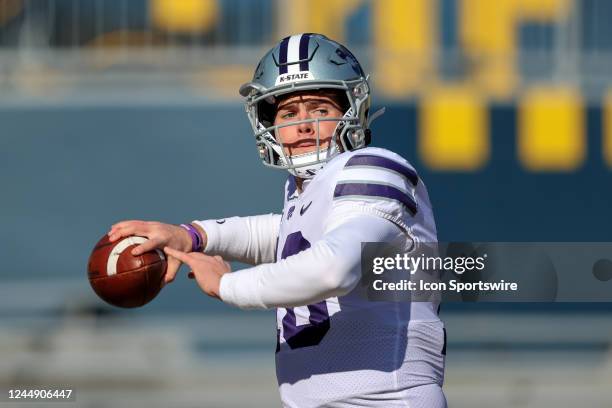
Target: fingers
<point x="149" y="245"/>
<point x="171" y="270"/>
<point x="116" y="227"/>
<point x="180" y="255"/>
<point x="127" y="228"/>
<point x="195" y="260"/>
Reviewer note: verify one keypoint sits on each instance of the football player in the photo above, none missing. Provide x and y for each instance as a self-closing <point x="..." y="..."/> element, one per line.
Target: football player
<point x="308" y="104"/>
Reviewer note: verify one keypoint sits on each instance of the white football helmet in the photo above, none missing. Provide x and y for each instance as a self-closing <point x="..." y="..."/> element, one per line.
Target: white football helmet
<point x="305" y="62"/>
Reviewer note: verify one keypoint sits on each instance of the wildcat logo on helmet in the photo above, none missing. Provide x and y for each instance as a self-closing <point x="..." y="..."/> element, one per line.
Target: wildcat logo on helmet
<point x="299" y="76"/>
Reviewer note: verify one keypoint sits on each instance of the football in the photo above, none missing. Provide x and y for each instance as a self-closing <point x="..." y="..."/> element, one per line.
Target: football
<point x="124" y="280"/>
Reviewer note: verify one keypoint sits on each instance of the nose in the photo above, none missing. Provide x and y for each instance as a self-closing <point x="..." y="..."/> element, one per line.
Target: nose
<point x="307" y="127"/>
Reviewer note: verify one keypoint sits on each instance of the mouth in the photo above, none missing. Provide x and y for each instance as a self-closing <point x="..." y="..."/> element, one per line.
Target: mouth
<point x="304" y="144"/>
<point x="307" y="143"/>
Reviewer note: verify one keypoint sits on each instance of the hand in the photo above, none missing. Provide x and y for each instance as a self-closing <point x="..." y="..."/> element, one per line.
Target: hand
<point x="159" y="236"/>
<point x="207" y="270"/>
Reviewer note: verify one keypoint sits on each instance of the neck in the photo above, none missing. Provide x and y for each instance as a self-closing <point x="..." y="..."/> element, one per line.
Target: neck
<point x="299" y="182"/>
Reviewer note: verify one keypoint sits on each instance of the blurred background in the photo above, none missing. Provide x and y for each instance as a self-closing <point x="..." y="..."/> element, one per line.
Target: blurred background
<point x="117" y="109"/>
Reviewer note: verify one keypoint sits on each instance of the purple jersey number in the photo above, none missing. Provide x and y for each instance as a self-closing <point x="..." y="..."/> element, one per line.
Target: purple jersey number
<point x="312" y="333"/>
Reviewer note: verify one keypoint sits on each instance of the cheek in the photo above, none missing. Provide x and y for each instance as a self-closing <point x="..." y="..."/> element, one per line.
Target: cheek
<point x="287" y="134"/>
<point x="326" y="129"/>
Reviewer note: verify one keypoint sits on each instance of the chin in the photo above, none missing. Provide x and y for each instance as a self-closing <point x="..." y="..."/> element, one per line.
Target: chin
<point x="304" y="150"/>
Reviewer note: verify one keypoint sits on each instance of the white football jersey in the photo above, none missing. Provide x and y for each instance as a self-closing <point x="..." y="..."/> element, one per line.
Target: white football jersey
<point x="350" y="347"/>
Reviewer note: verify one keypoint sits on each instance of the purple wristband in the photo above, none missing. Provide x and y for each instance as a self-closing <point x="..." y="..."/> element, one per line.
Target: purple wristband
<point x="196" y="238"/>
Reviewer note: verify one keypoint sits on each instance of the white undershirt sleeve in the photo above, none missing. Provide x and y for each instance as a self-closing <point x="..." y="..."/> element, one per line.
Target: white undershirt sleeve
<point x="331" y="267"/>
<point x="250" y="240"/>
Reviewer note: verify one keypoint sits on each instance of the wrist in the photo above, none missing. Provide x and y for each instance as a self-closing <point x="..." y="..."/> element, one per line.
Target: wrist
<point x="195" y="237"/>
<point x="216" y="289"/>
<point x="203" y="234"/>
<point x="185" y="239"/>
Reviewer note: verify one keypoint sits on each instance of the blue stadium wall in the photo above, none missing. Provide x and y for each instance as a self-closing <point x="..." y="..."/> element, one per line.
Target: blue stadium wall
<point x="67" y="174"/>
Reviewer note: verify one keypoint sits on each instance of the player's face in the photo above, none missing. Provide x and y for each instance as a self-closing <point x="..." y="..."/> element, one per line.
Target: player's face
<point x="302" y="138"/>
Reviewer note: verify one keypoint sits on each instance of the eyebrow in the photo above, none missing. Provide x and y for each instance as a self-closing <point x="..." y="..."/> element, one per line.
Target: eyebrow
<point x="309" y="100"/>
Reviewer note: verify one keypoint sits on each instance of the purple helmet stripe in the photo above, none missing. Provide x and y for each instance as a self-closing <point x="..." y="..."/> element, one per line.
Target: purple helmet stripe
<point x="379" y="161"/>
<point x="282" y="56"/>
<point x="304" y="40"/>
<point x="376" y="190"/>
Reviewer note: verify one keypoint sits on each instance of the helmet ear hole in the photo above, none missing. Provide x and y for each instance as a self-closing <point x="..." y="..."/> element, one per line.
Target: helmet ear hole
<point x="266" y="113"/>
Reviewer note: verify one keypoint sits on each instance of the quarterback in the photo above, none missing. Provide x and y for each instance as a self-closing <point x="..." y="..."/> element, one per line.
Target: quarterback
<point x="309" y="106"/>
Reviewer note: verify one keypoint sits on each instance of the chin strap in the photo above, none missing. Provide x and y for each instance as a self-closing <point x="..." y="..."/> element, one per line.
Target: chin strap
<point x="372" y="118"/>
<point x="376" y="115"/>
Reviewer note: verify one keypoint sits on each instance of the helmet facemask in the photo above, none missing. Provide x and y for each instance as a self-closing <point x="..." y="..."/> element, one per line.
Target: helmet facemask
<point x="349" y="133"/>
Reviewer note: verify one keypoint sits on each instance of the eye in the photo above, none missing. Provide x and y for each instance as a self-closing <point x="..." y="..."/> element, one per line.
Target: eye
<point x="321" y="111"/>
<point x="287" y="115"/>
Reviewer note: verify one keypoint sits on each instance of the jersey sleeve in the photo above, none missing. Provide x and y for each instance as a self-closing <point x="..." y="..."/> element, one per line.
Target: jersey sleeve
<point x="331" y="267"/>
<point x="250" y="240"/>
<point x="379" y="185"/>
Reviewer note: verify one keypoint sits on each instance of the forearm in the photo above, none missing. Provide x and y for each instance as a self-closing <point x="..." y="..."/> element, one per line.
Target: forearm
<point x="250" y="240"/>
